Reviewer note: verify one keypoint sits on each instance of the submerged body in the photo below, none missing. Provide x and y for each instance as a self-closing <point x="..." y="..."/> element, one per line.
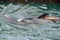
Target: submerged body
<point x="42" y="18"/>
<point x="13" y="20"/>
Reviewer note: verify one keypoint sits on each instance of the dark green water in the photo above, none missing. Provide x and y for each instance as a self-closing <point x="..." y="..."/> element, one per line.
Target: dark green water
<point x="42" y="31"/>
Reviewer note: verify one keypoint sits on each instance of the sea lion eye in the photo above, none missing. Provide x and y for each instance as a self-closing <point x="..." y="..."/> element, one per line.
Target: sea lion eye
<point x="20" y="19"/>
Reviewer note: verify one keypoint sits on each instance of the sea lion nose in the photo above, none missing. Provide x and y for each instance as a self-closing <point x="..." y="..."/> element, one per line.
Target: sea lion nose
<point x="7" y="16"/>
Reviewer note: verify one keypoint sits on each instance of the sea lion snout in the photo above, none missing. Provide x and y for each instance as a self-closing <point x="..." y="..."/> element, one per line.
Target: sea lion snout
<point x="10" y="19"/>
<point x="7" y="16"/>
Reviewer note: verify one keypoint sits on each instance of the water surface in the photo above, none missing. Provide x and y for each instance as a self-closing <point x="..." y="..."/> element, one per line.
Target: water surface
<point x="43" y="31"/>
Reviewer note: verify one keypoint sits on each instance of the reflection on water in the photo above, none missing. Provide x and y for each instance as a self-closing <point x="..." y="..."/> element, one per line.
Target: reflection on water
<point x="43" y="31"/>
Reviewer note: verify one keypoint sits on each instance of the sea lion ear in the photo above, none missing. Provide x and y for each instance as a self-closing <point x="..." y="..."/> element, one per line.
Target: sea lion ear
<point x="43" y="16"/>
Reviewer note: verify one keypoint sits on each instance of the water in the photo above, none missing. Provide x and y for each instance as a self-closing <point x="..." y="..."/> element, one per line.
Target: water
<point x="43" y="31"/>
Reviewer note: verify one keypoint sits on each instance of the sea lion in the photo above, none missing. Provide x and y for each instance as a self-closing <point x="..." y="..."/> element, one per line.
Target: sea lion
<point x="13" y="20"/>
<point x="45" y="16"/>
